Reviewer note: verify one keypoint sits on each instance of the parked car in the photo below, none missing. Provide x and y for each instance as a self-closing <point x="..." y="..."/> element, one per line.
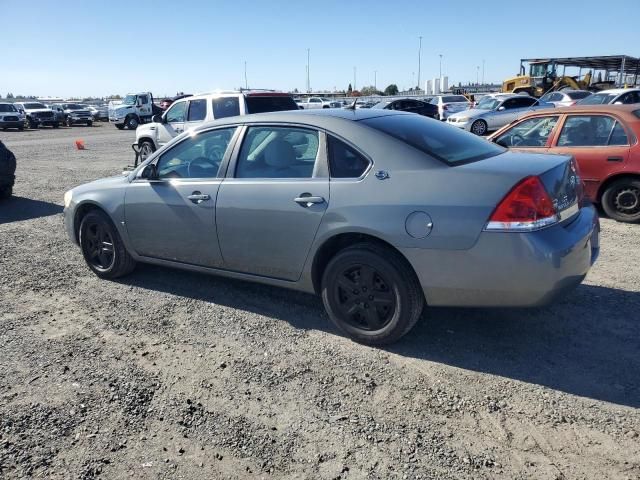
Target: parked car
<point x="135" y="109"/>
<point x="314" y="102"/>
<point x="37" y="115"/>
<point x="194" y="110"/>
<point x="75" y="114"/>
<point x="94" y="111"/>
<point x="604" y="141"/>
<point x="450" y="104"/>
<point x="58" y="112"/>
<point x="409" y="105"/>
<point x="7" y="171"/>
<point x="10" y="117"/>
<point x="377" y="211"/>
<point x="494" y="112"/>
<point x="624" y="96"/>
<point x="565" y="98"/>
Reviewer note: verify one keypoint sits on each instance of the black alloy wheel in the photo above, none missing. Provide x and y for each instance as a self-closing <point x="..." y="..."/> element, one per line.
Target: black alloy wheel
<point x="621" y="200"/>
<point x="371" y="293"/>
<point x="99" y="245"/>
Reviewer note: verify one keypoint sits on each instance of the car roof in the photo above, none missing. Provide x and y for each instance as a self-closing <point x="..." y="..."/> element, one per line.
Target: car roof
<point x="619" y="90"/>
<point x="626" y="111"/>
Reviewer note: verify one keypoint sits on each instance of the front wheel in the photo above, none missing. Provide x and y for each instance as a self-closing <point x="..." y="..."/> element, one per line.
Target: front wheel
<point x="479" y="127"/>
<point x="146" y="149"/>
<point x="69" y="122"/>
<point x="372" y="294"/>
<point x="102" y="247"/>
<point x="119" y="127"/>
<point x="56" y="125"/>
<point x="89" y="124"/>
<point x="621" y="200"/>
<point x="132" y="123"/>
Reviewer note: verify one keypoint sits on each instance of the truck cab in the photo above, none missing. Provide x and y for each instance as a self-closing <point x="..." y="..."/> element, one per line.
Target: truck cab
<point x="135" y="109"/>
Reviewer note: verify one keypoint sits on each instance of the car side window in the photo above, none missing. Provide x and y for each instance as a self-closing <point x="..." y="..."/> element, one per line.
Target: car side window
<point x="547" y="97"/>
<point x="278" y="152"/>
<point x="533" y="132"/>
<point x="197" y="110"/>
<point x="176" y="112"/>
<point x="224" y="107"/>
<point x="143" y="99"/>
<point x="509" y="104"/>
<point x="591" y="131"/>
<point x="344" y="161"/>
<point x="196" y="157"/>
<point x="631" y="97"/>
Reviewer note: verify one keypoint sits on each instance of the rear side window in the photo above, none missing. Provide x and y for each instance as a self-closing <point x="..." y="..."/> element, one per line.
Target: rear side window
<point x="344" y="161"/>
<point x="533" y="132"/>
<point x="197" y="110"/>
<point x="443" y="142"/>
<point x="225" y="107"/>
<point x="577" y="95"/>
<point x="261" y="104"/>
<point x="591" y="131"/>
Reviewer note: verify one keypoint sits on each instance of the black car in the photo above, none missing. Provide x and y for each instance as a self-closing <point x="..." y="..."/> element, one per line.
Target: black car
<point x="409" y="105"/>
<point x="7" y="171"/>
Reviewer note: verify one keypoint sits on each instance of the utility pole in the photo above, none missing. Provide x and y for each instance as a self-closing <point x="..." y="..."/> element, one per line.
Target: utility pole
<point x="375" y="80"/>
<point x="246" y="83"/>
<point x="440" y="65"/>
<point x="478" y="75"/>
<point x="483" y="71"/>
<point x="354" y="78"/>
<point x="308" y="72"/>
<point x="419" y="58"/>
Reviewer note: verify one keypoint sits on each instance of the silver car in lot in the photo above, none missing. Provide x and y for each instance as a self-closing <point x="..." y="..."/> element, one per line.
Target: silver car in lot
<point x="494" y="112"/>
<point x="449" y="104"/>
<point x="379" y="212"/>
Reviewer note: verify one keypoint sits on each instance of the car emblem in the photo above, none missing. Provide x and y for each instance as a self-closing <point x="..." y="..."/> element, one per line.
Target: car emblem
<point x="382" y="174"/>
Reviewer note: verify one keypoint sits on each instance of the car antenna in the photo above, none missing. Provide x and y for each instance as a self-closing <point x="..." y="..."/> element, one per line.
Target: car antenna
<point x="353" y="105"/>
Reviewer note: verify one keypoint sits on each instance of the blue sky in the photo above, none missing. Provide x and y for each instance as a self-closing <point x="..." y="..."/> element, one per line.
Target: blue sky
<point x="68" y="47"/>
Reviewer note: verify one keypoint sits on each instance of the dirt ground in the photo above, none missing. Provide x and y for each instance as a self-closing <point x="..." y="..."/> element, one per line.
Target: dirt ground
<point x="168" y="374"/>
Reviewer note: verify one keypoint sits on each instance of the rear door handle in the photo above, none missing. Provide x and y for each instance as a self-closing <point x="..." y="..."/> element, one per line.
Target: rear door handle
<point x="614" y="159"/>
<point x="307" y="200"/>
<point x="197" y="197"/>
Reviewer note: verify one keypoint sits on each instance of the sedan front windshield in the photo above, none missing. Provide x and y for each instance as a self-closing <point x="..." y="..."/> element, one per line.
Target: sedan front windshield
<point x="33" y="106"/>
<point x="7" y="107"/>
<point x="488" y="103"/>
<point x="129" y="100"/>
<point x="73" y="106"/>
<point x="598" y="99"/>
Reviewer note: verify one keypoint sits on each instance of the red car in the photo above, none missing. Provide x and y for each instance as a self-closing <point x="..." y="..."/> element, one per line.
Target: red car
<point x="604" y="141"/>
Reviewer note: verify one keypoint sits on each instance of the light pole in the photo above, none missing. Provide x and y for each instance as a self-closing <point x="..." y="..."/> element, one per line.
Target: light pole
<point x="375" y="80"/>
<point x="246" y="84"/>
<point x="419" y="58"/>
<point x="308" y="72"/>
<point x="440" y="65"/>
<point x="483" y="71"/>
<point x="478" y="75"/>
<point x="354" y="78"/>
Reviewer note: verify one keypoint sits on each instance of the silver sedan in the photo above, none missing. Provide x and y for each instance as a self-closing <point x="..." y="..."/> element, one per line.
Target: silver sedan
<point x="379" y="212"/>
<point x="494" y="112"/>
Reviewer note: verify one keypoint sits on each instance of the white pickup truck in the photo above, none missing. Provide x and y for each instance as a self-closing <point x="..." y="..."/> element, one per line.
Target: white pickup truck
<point x="314" y="102"/>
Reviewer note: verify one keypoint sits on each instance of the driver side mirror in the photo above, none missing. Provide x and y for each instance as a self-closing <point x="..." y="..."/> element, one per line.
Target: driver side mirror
<point x="157" y="119"/>
<point x="149" y="172"/>
<point x="501" y="108"/>
<point x="618" y="103"/>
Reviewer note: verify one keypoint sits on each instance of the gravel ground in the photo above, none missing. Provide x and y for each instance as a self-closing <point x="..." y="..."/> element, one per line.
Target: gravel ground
<point x="168" y="374"/>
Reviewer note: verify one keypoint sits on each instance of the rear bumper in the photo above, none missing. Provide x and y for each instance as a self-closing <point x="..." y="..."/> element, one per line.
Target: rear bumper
<point x="510" y="269"/>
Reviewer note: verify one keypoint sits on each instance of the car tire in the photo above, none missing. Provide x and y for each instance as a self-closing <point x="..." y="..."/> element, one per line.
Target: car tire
<point x="89" y="124"/>
<point x="69" y="122"/>
<point x="120" y="127"/>
<point x="479" y="127"/>
<point x="97" y="232"/>
<point x="621" y="200"/>
<point x="21" y="128"/>
<point x="371" y="293"/>
<point x="146" y="148"/>
<point x="31" y="124"/>
<point x="56" y="125"/>
<point x="6" y="192"/>
<point x="132" y="122"/>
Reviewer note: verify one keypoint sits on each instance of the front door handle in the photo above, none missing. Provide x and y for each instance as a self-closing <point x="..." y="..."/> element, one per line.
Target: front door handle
<point x="614" y="159"/>
<point x="197" y="197"/>
<point x="306" y="199"/>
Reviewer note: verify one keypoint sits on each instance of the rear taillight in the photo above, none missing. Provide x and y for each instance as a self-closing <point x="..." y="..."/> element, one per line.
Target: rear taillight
<point x="526" y="207"/>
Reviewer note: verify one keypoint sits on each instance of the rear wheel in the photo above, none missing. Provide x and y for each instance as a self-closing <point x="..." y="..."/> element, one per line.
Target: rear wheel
<point x="621" y="200"/>
<point x="120" y="127"/>
<point x="102" y="247"/>
<point x="371" y="294"/>
<point x="479" y="127"/>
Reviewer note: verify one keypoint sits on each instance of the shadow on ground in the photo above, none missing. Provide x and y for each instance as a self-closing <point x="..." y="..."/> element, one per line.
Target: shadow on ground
<point x="587" y="344"/>
<point x="15" y="209"/>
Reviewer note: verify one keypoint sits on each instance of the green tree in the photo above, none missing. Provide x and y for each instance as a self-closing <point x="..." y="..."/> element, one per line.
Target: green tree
<point x="370" y="90"/>
<point x="349" y="90"/>
<point x="10" y="95"/>
<point x="391" y="89"/>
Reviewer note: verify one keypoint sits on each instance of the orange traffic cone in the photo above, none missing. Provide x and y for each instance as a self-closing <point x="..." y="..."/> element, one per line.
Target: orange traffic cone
<point x="80" y="144"/>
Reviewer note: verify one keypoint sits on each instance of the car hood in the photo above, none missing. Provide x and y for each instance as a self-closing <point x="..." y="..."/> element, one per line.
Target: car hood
<point x="470" y="113"/>
<point x="102" y="184"/>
